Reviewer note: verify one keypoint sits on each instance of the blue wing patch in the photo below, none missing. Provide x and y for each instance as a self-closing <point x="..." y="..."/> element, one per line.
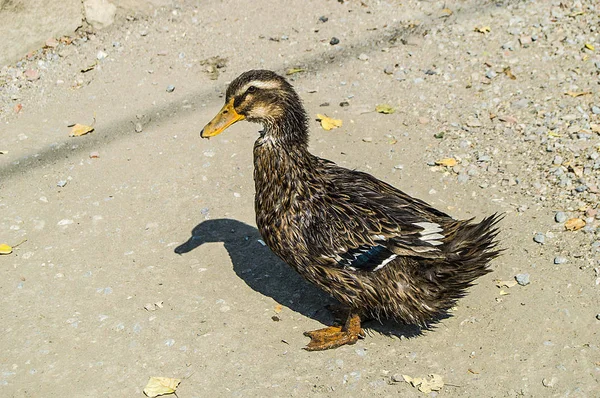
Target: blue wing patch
<point x="366" y="258"/>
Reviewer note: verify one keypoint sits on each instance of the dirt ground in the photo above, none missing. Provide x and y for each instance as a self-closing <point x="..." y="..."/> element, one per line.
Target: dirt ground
<point x="142" y="257"/>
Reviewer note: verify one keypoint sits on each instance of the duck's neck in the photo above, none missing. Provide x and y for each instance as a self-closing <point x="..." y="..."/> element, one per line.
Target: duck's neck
<point x="281" y="165"/>
<point x="288" y="131"/>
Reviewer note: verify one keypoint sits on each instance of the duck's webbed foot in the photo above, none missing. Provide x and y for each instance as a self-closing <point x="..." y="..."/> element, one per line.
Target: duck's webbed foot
<point x="335" y="336"/>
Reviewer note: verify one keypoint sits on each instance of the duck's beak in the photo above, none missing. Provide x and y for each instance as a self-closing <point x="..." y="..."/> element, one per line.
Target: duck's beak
<point x="225" y="118"/>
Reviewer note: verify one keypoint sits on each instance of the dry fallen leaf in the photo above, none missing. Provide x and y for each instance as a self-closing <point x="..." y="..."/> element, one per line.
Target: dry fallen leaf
<point x="5" y="249"/>
<point x="384" y="108"/>
<point x="507" y="119"/>
<point x="576" y="94"/>
<point x="329" y="123"/>
<point x="291" y="71"/>
<point x="80" y="129"/>
<point x="160" y="386"/>
<point x="509" y="73"/>
<point x="577" y="170"/>
<point x="483" y="29"/>
<point x="574" y="224"/>
<point x="509" y="283"/>
<point x="448" y="162"/>
<point x="446" y="12"/>
<point x="426" y="386"/>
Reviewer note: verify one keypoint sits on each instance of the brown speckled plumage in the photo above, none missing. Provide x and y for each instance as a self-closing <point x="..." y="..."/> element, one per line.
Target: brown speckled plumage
<point x="378" y="251"/>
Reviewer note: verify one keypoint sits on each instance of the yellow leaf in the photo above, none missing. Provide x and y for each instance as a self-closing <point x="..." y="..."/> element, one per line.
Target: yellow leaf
<point x="503" y="293"/>
<point x="590" y="46"/>
<point x="483" y="29"/>
<point x="448" y="162"/>
<point x="80" y="129"/>
<point x="329" y="123"/>
<point x="384" y="108"/>
<point x="5" y="249"/>
<point x="509" y="283"/>
<point x="575" y="94"/>
<point x="278" y="308"/>
<point x="573" y="224"/>
<point x="160" y="386"/>
<point x="291" y="71"/>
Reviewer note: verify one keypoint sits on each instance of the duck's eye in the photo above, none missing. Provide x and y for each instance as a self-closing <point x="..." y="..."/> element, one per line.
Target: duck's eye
<point x="251" y="89"/>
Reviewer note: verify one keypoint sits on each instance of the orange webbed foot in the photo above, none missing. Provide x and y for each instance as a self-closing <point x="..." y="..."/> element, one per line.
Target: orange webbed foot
<point x="335" y="336"/>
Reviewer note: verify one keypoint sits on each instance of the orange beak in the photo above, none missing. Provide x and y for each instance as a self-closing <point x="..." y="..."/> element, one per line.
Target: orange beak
<point x="225" y="118"/>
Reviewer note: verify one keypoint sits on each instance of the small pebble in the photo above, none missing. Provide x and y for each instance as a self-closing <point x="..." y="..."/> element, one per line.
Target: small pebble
<point x="397" y="378"/>
<point x="61" y="183"/>
<point x="323" y="19"/>
<point x="363" y="57"/>
<point x="334" y="41"/>
<point x="170" y="88"/>
<point x="539" y="238"/>
<point x="522" y="279"/>
<point x="560" y="217"/>
<point x="389" y="70"/>
<point x="101" y="55"/>
<point x="560" y="260"/>
<point x="490" y="74"/>
<point x="598" y="317"/>
<point x="31" y="74"/>
<point x="596" y="110"/>
<point x="139" y="127"/>
<point x="549" y="383"/>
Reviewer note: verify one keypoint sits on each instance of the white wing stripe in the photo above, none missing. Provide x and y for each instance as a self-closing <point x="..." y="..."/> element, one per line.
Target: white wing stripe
<point x="385" y="262"/>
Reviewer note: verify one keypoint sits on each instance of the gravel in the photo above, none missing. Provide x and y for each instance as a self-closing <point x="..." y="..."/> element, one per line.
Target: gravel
<point x="522" y="279"/>
<point x="560" y="217"/>
<point x="539" y="238"/>
<point x="560" y="260"/>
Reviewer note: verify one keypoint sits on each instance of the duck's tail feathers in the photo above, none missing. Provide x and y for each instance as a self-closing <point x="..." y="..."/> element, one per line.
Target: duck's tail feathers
<point x="469" y="253"/>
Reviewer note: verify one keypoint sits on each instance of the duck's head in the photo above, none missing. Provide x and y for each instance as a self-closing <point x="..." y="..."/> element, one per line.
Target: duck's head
<point x="261" y="96"/>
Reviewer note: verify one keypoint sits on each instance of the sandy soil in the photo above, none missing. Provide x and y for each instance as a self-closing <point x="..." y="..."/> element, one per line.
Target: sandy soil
<point x="78" y="312"/>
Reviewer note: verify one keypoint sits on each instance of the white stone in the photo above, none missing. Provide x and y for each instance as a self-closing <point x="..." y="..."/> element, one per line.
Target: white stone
<point x="99" y="13"/>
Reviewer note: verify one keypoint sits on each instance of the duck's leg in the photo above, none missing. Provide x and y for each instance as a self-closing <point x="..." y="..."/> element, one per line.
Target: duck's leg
<point x="335" y="336"/>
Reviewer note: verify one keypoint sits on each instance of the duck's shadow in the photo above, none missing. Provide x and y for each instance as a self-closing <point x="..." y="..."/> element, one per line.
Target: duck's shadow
<point x="265" y="273"/>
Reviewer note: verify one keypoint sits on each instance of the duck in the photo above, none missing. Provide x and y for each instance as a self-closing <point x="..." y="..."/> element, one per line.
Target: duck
<point x="381" y="253"/>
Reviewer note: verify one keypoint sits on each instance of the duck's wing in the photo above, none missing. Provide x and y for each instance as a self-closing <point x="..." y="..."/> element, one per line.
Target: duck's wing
<point x="365" y="223"/>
